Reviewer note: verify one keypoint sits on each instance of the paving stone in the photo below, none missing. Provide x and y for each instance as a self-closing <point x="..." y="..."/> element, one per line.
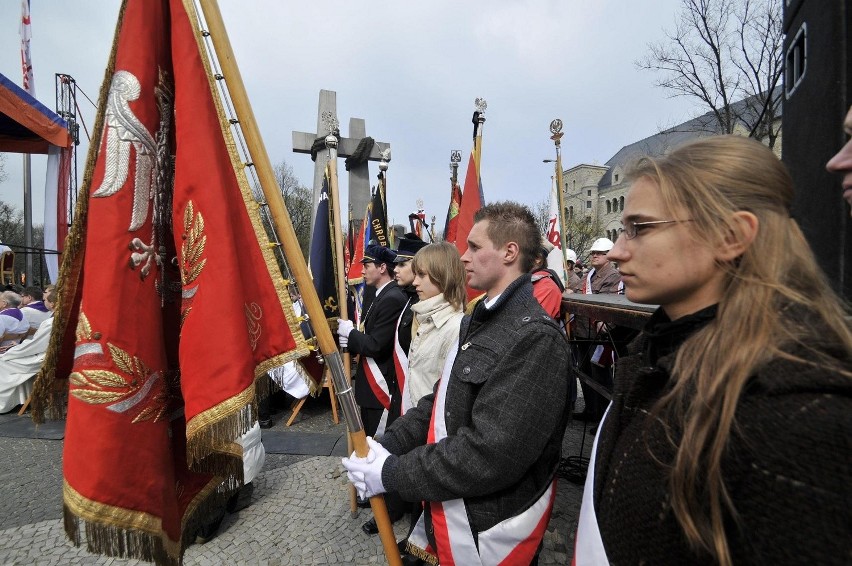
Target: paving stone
<point x="299" y="513"/>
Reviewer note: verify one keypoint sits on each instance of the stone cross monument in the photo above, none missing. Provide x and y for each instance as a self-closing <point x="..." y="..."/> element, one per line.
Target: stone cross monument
<point x="359" y="175"/>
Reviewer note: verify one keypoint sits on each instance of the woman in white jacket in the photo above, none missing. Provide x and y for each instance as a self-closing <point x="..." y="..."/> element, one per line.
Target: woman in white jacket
<point x="440" y="282"/>
<point x="439" y="278"/>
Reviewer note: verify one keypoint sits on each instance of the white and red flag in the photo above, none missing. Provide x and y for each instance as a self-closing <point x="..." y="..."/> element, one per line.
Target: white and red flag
<point x="26" y="60"/>
<point x="553" y="235"/>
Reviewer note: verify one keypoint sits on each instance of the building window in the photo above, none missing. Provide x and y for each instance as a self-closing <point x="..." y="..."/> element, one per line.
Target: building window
<point x="571" y="212"/>
<point x="589" y="193"/>
<point x="588" y="205"/>
<point x="616" y="177"/>
<point x="574" y="185"/>
<point x="608" y="207"/>
<point x="621" y="201"/>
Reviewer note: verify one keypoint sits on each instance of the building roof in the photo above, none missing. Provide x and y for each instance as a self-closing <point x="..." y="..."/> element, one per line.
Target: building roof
<point x="663" y="142"/>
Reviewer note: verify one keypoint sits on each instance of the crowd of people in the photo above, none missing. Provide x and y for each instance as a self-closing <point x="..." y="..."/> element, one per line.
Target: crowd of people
<point x="25" y="324"/>
<point x="727" y="437"/>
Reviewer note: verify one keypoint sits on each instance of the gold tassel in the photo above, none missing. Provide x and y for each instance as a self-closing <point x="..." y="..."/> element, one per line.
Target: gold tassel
<point x="415" y="550"/>
<point x="111" y="540"/>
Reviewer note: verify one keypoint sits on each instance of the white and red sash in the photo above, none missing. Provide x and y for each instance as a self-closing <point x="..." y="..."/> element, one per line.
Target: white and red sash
<point x="510" y="542"/>
<point x="588" y="547"/>
<point x="400" y="362"/>
<point x="380" y="388"/>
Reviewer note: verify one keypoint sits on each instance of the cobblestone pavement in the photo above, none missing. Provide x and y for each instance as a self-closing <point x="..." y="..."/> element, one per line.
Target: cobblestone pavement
<point x="299" y="515"/>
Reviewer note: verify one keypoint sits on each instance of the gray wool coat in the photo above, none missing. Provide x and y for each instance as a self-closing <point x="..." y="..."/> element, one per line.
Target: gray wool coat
<point x="506" y="413"/>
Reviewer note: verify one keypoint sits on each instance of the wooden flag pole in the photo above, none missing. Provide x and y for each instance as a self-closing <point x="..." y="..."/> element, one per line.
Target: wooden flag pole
<point x="340" y="280"/>
<point x="287" y="235"/>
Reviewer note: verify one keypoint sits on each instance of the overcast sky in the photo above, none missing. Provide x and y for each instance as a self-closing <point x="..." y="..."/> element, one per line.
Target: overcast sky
<point x="412" y="70"/>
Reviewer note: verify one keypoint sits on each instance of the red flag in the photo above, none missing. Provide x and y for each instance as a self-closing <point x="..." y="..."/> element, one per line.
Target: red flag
<point x="26" y="30"/>
<point x="178" y="306"/>
<point x="472" y="201"/>
<point x="553" y="229"/>
<point x="451" y="225"/>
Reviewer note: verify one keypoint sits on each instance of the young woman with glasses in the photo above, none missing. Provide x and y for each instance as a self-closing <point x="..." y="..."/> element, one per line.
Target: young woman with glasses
<point x="728" y="437"/>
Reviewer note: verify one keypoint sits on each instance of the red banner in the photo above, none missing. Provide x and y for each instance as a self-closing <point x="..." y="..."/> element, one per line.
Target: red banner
<point x="181" y="304"/>
<point x="471" y="202"/>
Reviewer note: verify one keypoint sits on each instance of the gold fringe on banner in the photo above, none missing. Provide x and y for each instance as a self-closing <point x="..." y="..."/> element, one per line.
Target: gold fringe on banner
<point x="113" y="531"/>
<point x="209" y="432"/>
<point x="415" y="550"/>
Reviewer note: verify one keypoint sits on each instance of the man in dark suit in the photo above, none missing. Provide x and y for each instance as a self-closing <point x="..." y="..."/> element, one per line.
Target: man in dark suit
<point x="375" y="379"/>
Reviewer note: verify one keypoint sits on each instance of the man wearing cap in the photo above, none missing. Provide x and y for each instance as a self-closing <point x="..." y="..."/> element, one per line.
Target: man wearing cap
<point x="33" y="307"/>
<point x="574" y="283"/>
<point x="404" y="277"/>
<point x="482" y="450"/>
<point x="375" y="379"/>
<point x="409" y="245"/>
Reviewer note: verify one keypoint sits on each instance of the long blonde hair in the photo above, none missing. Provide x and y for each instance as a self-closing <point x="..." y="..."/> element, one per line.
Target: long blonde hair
<point x="442" y="263"/>
<point x="776" y="276"/>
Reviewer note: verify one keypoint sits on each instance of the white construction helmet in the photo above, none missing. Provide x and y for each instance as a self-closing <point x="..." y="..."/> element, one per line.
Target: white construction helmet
<point x="571" y="255"/>
<point x="602" y="245"/>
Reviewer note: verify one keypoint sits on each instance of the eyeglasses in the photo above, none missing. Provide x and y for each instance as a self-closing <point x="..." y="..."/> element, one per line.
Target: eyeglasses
<point x="633" y="229"/>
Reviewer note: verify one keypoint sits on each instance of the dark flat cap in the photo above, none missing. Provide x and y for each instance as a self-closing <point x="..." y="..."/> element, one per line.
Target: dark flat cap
<point x="378" y="254"/>
<point x="408" y="247"/>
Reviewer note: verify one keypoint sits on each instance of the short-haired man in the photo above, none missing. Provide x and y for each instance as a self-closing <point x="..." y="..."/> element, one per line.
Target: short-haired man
<point x="482" y="450"/>
<point x="841" y="163"/>
<point x="376" y="388"/>
<point x="375" y="380"/>
<point x="33" y="307"/>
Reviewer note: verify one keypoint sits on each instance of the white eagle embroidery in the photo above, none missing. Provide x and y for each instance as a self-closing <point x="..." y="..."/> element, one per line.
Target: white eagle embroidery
<point x="122" y="130"/>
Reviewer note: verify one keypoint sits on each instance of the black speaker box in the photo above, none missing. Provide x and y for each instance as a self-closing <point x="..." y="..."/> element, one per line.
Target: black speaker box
<point x="817" y="95"/>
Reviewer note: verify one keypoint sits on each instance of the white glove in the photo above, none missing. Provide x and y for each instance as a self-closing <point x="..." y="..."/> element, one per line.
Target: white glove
<point x="344" y="327"/>
<point x="366" y="473"/>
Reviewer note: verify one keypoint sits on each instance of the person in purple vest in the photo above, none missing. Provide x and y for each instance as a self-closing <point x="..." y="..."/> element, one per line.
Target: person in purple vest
<point x="33" y="307"/>
<point x="12" y="320"/>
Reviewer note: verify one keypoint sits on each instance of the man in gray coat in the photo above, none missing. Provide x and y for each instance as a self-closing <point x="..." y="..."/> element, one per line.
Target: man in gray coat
<point x="483" y="448"/>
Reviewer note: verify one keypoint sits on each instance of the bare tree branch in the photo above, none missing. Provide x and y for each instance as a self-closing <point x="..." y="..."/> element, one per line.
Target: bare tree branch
<point x="727" y="55"/>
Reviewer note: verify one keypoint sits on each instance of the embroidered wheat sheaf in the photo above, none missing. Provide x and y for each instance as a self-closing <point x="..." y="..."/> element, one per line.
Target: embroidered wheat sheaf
<point x="253" y="316"/>
<point x="194" y="242"/>
<point x="102" y="386"/>
<point x="84" y="330"/>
